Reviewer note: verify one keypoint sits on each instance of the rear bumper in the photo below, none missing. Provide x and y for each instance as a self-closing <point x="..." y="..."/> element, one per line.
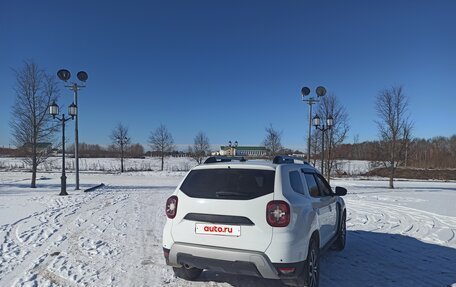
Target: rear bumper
<point x="222" y="260"/>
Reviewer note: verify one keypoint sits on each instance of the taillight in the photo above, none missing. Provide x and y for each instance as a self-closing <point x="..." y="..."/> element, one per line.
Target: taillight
<point x="287" y="270"/>
<point x="278" y="213"/>
<point x="171" y="207"/>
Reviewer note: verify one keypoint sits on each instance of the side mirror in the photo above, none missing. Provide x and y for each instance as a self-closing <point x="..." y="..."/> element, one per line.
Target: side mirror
<point x="340" y="191"/>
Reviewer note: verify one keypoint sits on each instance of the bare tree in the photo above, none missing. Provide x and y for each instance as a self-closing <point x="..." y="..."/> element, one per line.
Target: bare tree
<point x="394" y="127"/>
<point x="120" y="140"/>
<point x="200" y="147"/>
<point x="315" y="146"/>
<point x="32" y="127"/>
<point x="407" y="132"/>
<point x="162" y="142"/>
<point x="335" y="136"/>
<point x="273" y="140"/>
<point x="136" y="150"/>
<point x="356" y="151"/>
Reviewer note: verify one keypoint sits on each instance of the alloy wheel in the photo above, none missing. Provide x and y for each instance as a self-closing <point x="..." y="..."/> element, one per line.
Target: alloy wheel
<point x="313" y="268"/>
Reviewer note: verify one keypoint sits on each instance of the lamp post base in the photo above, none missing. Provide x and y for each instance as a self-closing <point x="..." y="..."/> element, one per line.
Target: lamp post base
<point x="63" y="185"/>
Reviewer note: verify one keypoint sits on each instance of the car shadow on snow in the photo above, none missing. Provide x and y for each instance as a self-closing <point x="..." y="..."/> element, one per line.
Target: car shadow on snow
<point x="371" y="259"/>
<point x="383" y="259"/>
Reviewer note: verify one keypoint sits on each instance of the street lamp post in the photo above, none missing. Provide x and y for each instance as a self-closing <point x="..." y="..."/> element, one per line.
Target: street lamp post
<point x="323" y="128"/>
<point x="320" y="91"/>
<point x="232" y="147"/>
<point x="54" y="111"/>
<point x="82" y="76"/>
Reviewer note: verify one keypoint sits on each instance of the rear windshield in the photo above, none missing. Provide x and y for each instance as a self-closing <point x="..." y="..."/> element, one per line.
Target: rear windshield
<point x="237" y="184"/>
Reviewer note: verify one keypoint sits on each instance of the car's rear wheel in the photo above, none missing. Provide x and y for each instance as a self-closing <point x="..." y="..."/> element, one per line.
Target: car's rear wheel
<point x="187" y="272"/>
<point x="312" y="268"/>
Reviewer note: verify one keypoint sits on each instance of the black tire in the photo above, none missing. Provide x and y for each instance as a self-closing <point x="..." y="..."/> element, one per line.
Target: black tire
<point x="339" y="244"/>
<point x="312" y="267"/>
<point x="187" y="273"/>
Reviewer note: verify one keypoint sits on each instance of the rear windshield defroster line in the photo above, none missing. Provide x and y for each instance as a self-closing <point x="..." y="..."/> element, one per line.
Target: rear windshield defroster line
<point x="235" y="184"/>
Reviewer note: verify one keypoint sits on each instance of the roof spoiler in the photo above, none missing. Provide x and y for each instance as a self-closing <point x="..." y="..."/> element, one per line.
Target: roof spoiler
<point x="215" y="159"/>
<point x="283" y="159"/>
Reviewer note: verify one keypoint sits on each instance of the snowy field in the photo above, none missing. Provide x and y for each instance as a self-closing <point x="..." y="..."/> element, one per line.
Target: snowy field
<point x="349" y="167"/>
<point x="112" y="236"/>
<point x="101" y="164"/>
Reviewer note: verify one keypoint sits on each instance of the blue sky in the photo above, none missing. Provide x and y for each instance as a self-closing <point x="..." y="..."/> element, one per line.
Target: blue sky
<point x="230" y="68"/>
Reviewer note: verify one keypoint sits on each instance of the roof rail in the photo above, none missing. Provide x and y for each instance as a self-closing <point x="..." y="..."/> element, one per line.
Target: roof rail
<point x="215" y="159"/>
<point x="283" y="159"/>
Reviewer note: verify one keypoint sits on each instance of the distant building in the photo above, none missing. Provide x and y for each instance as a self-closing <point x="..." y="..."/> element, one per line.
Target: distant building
<point x="242" y="151"/>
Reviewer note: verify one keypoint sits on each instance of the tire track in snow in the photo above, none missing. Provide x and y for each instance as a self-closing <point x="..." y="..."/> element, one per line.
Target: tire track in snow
<point x="89" y="247"/>
<point x="395" y="246"/>
<point x="86" y="246"/>
<point x="396" y="219"/>
<point x="147" y="267"/>
<point x="16" y="247"/>
<point x="40" y="243"/>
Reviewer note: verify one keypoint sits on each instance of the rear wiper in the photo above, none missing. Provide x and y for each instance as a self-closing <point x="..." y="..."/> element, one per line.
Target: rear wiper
<point x="231" y="194"/>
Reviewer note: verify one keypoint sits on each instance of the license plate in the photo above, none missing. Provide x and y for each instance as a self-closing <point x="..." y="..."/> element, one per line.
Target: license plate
<point x="218" y="229"/>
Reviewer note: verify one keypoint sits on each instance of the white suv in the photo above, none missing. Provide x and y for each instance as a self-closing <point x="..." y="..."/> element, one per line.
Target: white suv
<point x="257" y="218"/>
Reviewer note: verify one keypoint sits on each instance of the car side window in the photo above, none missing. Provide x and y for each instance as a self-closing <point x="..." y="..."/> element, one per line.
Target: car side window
<point x="325" y="189"/>
<point x="296" y="182"/>
<point x="312" y="185"/>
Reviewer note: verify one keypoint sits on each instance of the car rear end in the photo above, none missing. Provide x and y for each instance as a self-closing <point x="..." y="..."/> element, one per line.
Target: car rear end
<point x="221" y="218"/>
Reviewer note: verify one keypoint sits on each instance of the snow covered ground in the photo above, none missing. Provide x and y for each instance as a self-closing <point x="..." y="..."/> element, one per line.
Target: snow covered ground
<point x="112" y="236"/>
